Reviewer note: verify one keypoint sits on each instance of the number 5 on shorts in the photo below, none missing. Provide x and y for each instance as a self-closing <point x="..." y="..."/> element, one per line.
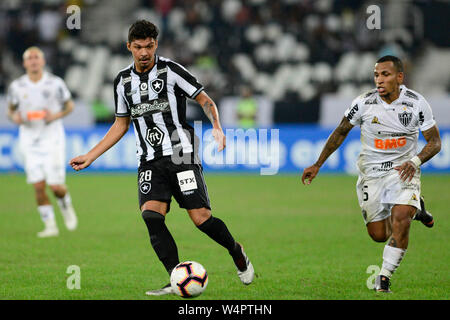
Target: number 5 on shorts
<point x="366" y="195"/>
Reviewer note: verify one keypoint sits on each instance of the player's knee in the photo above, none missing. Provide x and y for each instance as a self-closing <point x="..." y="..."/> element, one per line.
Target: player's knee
<point x="153" y="220"/>
<point x="58" y="190"/>
<point x="199" y="216"/>
<point x="378" y="236"/>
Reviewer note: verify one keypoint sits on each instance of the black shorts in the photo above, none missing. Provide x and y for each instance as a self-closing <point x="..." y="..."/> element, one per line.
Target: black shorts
<point x="161" y="179"/>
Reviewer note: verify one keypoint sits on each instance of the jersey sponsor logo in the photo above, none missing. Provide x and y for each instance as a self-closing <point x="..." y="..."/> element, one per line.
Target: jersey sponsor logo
<point x="154" y="136"/>
<point x="143" y="86"/>
<point x="157" y="85"/>
<point x="405" y="118"/>
<point x="36" y="115"/>
<point x="126" y="80"/>
<point x="131" y="92"/>
<point x="389" y="143"/>
<point x="374" y="101"/>
<point x="163" y="70"/>
<point x="408" y="104"/>
<point x="421" y="118"/>
<point x="186" y="180"/>
<point x="352" y="112"/>
<point x="157" y="105"/>
<point x="46" y="94"/>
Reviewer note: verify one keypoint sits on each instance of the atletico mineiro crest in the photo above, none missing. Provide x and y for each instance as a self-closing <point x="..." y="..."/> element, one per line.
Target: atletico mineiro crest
<point x="405" y="118"/>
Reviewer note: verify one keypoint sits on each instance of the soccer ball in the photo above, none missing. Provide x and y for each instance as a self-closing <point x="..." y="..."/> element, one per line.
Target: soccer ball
<point x="189" y="279"/>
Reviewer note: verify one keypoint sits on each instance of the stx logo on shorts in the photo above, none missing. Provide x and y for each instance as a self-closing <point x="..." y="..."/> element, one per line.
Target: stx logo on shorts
<point x="389" y="143"/>
<point x="186" y="180"/>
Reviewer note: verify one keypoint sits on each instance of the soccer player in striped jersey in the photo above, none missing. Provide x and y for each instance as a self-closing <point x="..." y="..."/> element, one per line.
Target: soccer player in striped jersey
<point x="37" y="102"/>
<point x="151" y="93"/>
<point x="388" y="187"/>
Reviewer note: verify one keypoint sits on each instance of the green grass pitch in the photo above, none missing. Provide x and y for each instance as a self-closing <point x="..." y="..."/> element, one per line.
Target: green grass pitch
<point x="304" y="242"/>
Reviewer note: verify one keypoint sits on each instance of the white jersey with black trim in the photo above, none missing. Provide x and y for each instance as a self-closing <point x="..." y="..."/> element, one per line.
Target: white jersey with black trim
<point x="156" y="102"/>
<point x="32" y="99"/>
<point x="389" y="132"/>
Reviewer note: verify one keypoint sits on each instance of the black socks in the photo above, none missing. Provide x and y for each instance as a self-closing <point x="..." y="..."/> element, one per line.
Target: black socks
<point x="166" y="249"/>
<point x="161" y="239"/>
<point x="218" y="231"/>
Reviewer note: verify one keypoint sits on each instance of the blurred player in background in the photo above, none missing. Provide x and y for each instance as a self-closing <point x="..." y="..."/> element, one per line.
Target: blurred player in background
<point x="152" y="94"/>
<point x="388" y="186"/>
<point x="37" y="102"/>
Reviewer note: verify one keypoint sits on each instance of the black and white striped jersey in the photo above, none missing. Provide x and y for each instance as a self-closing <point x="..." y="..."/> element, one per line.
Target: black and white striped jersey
<point x="156" y="102"/>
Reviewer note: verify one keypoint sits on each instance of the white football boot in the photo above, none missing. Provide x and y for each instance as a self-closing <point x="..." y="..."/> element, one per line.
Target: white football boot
<point x="51" y="230"/>
<point x="70" y="218"/>
<point x="68" y="213"/>
<point x="246" y="276"/>
<point x="167" y="289"/>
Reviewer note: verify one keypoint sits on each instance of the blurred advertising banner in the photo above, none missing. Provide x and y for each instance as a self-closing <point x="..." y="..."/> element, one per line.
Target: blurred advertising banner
<point x="265" y="151"/>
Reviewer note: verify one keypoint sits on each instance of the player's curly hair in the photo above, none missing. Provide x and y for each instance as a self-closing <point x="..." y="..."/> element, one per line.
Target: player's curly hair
<point x="142" y="29"/>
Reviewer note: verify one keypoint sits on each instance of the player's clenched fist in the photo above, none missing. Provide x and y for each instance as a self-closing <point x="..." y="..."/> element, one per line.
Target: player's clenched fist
<point x="310" y="173"/>
<point x="80" y="162"/>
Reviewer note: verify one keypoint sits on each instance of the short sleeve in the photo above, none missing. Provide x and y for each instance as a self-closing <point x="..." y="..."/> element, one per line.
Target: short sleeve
<point x="426" y="119"/>
<point x="354" y="112"/>
<point x="120" y="104"/>
<point x="185" y="80"/>
<point x="11" y="96"/>
<point x="63" y="92"/>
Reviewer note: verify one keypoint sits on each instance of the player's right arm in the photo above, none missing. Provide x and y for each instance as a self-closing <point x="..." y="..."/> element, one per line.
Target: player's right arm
<point x="13" y="103"/>
<point x="334" y="141"/>
<point x="14" y="115"/>
<point x="115" y="133"/>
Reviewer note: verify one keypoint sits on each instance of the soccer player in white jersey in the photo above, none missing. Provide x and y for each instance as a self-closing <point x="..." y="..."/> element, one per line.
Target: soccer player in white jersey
<point x="388" y="186"/>
<point x="37" y="102"/>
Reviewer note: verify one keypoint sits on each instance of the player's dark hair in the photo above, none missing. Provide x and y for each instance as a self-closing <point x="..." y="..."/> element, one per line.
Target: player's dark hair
<point x="142" y="29"/>
<point x="396" y="61"/>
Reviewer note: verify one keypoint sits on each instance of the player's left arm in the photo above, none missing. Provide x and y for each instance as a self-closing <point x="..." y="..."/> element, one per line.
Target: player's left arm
<point x="433" y="146"/>
<point x="210" y="109"/>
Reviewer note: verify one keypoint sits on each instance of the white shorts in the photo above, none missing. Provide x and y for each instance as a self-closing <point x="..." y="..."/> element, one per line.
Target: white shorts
<point x="45" y="166"/>
<point x="377" y="196"/>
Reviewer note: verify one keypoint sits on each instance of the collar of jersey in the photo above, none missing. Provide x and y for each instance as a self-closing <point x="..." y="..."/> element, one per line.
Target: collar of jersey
<point x="402" y="91"/>
<point x="148" y="71"/>
<point x="41" y="80"/>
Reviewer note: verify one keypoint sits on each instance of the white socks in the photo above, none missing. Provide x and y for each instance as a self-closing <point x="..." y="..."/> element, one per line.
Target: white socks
<point x="64" y="202"/>
<point x="47" y="215"/>
<point x="391" y="260"/>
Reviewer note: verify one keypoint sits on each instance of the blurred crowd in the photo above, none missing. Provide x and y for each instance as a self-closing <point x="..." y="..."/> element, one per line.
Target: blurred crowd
<point x="289" y="50"/>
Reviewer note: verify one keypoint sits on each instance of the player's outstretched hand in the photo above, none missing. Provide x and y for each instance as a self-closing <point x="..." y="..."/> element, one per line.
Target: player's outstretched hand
<point x="406" y="170"/>
<point x="310" y="173"/>
<point x="220" y="139"/>
<point x="80" y="162"/>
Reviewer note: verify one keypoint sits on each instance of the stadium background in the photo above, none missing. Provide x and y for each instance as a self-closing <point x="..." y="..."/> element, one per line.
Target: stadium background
<point x="296" y="63"/>
<point x="303" y="62"/>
